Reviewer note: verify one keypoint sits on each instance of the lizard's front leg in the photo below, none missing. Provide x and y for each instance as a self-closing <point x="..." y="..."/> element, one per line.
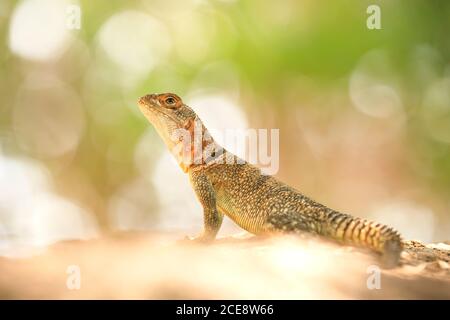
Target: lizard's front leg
<point x="212" y="218"/>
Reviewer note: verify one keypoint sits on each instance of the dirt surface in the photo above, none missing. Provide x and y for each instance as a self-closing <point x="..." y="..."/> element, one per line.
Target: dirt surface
<point x="158" y="266"/>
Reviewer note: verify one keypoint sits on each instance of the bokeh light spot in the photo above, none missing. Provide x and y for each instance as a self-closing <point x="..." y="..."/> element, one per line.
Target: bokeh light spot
<point x="38" y="29"/>
<point x="48" y="118"/>
<point x="135" y="41"/>
<point x="372" y="89"/>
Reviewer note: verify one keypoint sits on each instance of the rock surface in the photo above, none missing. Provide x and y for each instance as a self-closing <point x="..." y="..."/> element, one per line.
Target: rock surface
<point x="157" y="266"/>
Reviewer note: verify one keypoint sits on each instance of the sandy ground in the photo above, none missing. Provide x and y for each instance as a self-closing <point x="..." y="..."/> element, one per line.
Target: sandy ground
<point x="157" y="266"/>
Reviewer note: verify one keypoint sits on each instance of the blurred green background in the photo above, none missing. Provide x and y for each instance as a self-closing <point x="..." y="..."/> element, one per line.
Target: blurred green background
<point x="364" y="115"/>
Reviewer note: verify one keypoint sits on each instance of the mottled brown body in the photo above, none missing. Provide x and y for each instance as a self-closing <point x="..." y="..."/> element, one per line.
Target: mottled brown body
<point x="259" y="203"/>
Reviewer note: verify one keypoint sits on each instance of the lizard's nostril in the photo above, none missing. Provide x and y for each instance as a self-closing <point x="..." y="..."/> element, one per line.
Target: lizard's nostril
<point x="141" y="100"/>
<point x="147" y="98"/>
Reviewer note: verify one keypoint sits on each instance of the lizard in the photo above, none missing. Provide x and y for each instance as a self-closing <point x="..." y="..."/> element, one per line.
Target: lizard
<point x="224" y="184"/>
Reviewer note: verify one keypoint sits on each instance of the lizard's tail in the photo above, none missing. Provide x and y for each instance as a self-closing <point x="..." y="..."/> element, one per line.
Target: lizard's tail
<point x="361" y="232"/>
<point x="343" y="228"/>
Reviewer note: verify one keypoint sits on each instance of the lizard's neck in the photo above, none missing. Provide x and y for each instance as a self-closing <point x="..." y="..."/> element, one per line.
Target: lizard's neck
<point x="197" y="148"/>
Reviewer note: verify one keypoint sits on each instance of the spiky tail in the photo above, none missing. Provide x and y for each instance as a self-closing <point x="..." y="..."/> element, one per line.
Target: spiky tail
<point x="361" y="232"/>
<point x="343" y="228"/>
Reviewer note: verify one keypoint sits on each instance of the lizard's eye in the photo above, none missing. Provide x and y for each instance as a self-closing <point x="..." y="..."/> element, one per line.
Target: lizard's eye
<point x="170" y="101"/>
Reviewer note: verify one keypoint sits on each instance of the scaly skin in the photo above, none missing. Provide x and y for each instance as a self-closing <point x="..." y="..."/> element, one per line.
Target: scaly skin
<point x="258" y="203"/>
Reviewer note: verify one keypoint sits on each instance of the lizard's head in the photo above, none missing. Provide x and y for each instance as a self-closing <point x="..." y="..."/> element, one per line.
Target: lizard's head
<point x="167" y="113"/>
<point x="170" y="117"/>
